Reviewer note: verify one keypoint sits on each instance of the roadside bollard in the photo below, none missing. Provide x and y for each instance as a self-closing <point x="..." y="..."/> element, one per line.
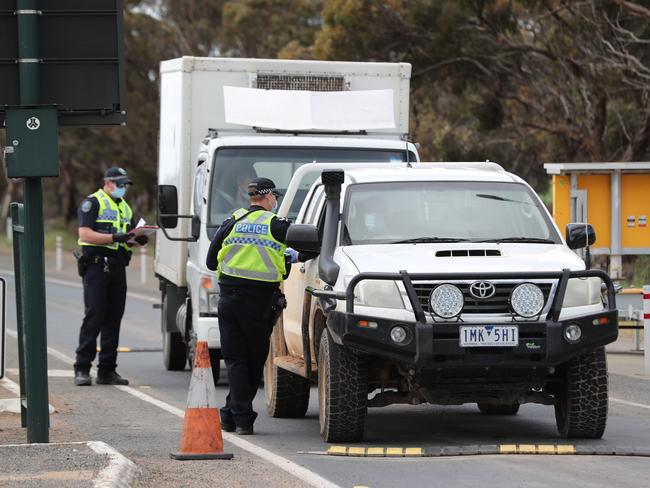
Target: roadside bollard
<point x="143" y="265"/>
<point x="646" y="328"/>
<point x="10" y="234"/>
<point x="59" y="253"/>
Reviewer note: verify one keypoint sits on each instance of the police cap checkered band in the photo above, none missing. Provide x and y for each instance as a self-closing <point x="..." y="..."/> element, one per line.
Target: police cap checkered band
<point x="262" y="186"/>
<point x="117" y="175"/>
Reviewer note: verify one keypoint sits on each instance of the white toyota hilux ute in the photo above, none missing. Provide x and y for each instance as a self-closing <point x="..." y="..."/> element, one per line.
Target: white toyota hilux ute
<point x="446" y="283"/>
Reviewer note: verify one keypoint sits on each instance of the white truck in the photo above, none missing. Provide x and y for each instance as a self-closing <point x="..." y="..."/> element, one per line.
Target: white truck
<point x="445" y="283"/>
<point x="225" y="121"/>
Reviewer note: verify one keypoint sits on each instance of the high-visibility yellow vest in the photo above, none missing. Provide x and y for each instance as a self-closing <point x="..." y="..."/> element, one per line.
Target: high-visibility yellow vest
<point x="112" y="217"/>
<point x="250" y="251"/>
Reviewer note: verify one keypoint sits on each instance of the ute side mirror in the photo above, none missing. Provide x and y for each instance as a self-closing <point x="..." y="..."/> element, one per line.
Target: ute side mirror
<point x="303" y="237"/>
<point x="580" y="235"/>
<point x="167" y="206"/>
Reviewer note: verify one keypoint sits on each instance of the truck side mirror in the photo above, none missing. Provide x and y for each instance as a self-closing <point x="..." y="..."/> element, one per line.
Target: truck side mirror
<point x="580" y="235"/>
<point x="168" y="206"/>
<point x="303" y="237"/>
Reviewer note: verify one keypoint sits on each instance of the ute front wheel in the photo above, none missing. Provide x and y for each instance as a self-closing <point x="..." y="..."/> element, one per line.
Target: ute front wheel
<point x="581" y="400"/>
<point x="342" y="392"/>
<point x="287" y="394"/>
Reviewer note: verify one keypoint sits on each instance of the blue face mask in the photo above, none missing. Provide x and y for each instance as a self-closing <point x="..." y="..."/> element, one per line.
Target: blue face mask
<point x="119" y="192"/>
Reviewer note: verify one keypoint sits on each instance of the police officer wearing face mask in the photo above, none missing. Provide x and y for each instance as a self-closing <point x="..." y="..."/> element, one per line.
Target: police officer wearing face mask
<point x="249" y="253"/>
<point x="104" y="221"/>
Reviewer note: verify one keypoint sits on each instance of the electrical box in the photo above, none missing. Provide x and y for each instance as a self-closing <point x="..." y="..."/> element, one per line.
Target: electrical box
<point x="32" y="147"/>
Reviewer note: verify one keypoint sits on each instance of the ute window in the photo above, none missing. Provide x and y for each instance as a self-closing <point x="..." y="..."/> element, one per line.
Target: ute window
<point x="450" y="211"/>
<point x="235" y="167"/>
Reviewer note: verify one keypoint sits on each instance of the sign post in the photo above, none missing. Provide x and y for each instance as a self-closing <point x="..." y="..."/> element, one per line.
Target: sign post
<point x="61" y="64"/>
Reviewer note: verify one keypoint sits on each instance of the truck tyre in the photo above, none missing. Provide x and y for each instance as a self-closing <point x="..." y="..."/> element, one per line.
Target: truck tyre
<point x="342" y="392"/>
<point x="287" y="394"/>
<point x="490" y="409"/>
<point x="581" y="401"/>
<point x="174" y="350"/>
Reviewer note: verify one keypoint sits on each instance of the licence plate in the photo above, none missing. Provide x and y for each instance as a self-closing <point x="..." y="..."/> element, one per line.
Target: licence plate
<point x="489" y="335"/>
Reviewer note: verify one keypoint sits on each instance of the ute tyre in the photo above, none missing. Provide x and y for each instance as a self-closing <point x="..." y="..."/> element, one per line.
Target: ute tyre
<point x="342" y="392"/>
<point x="490" y="409"/>
<point x="174" y="351"/>
<point x="581" y="402"/>
<point x="287" y="394"/>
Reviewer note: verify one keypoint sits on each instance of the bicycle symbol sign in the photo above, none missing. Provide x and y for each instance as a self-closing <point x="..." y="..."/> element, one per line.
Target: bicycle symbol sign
<point x="33" y="123"/>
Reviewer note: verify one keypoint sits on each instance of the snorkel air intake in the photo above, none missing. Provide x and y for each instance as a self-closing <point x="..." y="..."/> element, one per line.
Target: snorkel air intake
<point x="332" y="180"/>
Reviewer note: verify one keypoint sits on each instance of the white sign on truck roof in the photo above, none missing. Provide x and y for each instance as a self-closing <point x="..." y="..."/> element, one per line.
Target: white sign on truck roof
<point x="309" y="110"/>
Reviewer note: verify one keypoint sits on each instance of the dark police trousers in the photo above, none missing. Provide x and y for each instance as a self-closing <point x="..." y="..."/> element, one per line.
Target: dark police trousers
<point x="245" y="326"/>
<point x="104" y="300"/>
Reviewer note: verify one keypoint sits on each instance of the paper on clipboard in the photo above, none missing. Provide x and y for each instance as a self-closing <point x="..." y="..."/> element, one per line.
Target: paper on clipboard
<point x="142" y="230"/>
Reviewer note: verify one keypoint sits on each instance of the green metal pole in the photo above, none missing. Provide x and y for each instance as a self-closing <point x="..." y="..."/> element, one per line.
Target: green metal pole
<point x="18" y="224"/>
<point x="34" y="285"/>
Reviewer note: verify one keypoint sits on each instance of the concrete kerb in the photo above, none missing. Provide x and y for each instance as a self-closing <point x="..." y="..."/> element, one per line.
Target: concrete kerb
<point x="120" y="471"/>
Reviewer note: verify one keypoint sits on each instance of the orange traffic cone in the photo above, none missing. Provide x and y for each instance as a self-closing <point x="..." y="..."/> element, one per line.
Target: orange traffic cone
<point x="201" y="437"/>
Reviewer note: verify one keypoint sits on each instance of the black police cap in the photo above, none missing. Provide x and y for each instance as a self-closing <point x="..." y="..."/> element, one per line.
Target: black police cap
<point x="117" y="175"/>
<point x="262" y="186"/>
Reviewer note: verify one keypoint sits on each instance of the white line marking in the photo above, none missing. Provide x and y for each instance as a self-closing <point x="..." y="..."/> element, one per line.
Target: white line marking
<point x="73" y="284"/>
<point x="631" y="404"/>
<point x="51" y="351"/>
<point x="120" y="470"/>
<point x="14" y="388"/>
<point x="11" y="386"/>
<point x="276" y="460"/>
<point x="52" y="373"/>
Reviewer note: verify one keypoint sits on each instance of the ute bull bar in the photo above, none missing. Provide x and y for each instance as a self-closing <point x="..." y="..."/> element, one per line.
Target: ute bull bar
<point x="437" y="343"/>
<point x="407" y="279"/>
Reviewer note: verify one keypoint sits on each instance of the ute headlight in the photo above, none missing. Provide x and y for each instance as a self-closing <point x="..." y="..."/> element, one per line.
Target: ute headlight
<point x="583" y="291"/>
<point x="446" y="301"/>
<point x="378" y="293"/>
<point x="527" y="300"/>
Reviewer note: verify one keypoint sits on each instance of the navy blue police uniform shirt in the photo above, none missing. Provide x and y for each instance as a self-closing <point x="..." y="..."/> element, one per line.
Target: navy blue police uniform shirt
<point x="87" y="217"/>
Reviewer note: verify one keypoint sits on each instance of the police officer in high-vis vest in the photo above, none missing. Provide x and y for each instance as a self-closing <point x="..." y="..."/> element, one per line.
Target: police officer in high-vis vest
<point x="248" y="252"/>
<point x="104" y="221"/>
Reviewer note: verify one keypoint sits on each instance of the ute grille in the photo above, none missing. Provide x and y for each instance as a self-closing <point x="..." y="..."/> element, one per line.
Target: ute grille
<point x="497" y="304"/>
<point x="324" y="83"/>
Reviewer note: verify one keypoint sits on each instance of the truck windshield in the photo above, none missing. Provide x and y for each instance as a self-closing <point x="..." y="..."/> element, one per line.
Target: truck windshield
<point x="234" y="168"/>
<point x="449" y="211"/>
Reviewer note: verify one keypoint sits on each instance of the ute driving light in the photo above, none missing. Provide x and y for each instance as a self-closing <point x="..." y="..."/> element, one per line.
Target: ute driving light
<point x="573" y="333"/>
<point x="399" y="335"/>
<point x="446" y="301"/>
<point x="527" y="300"/>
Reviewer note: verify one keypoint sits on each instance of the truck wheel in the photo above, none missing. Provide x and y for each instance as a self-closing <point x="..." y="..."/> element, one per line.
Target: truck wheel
<point x="287" y="394"/>
<point x="581" y="402"/>
<point x="490" y="409"/>
<point x="174" y="351"/>
<point x="215" y="364"/>
<point x="342" y="392"/>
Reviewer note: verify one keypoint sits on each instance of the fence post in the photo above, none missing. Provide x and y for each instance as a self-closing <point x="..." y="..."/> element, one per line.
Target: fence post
<point x="143" y="265"/>
<point x="646" y="328"/>
<point x="59" y="253"/>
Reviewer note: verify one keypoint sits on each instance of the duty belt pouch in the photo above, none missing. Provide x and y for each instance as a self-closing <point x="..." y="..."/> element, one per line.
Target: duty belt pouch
<point x="82" y="261"/>
<point x="278" y="303"/>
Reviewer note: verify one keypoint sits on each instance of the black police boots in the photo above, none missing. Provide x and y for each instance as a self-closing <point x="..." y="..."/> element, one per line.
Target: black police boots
<point x="82" y="378"/>
<point x="110" y="378"/>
